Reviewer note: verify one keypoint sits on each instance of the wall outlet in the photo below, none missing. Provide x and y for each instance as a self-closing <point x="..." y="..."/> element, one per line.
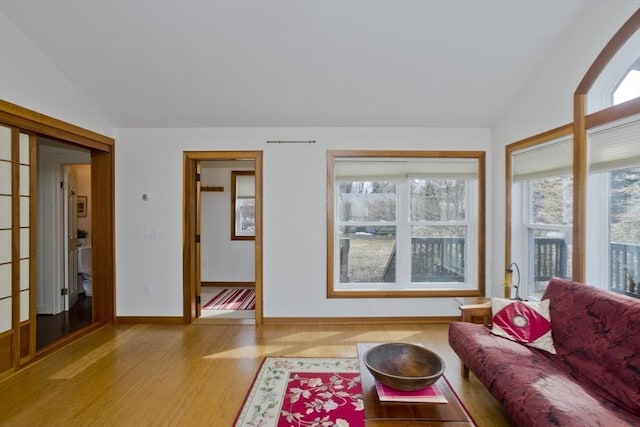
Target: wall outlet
<point x="147" y="289"/>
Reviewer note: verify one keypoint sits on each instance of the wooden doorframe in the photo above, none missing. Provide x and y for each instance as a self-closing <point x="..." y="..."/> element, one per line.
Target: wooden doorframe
<point x="102" y="205"/>
<point x="191" y="160"/>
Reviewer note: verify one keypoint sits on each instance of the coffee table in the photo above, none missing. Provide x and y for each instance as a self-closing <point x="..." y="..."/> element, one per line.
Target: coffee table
<point x="396" y="414"/>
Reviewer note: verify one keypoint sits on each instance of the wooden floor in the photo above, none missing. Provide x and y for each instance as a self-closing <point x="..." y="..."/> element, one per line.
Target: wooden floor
<point x="194" y="375"/>
<point x="51" y="328"/>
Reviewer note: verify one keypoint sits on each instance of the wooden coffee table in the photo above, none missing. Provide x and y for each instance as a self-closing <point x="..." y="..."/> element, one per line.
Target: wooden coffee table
<point x="396" y="414"/>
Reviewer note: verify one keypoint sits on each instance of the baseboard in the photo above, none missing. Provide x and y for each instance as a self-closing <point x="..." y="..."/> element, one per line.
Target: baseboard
<point x="305" y="320"/>
<point x="358" y="320"/>
<point x="150" y="319"/>
<point x="230" y="284"/>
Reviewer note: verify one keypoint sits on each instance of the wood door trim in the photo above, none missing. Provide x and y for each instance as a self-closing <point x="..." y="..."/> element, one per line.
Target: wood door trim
<point x="103" y="165"/>
<point x="30" y="120"/>
<point x="190" y="158"/>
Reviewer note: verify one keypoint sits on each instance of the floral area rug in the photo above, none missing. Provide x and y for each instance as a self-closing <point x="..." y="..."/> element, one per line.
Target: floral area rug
<point x="304" y="392"/>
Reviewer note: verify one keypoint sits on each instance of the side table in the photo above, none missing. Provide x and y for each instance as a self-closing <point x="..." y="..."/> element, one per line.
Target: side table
<point x="475" y="309"/>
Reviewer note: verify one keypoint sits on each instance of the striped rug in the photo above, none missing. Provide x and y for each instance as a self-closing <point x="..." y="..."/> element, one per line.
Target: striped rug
<point x="233" y="299"/>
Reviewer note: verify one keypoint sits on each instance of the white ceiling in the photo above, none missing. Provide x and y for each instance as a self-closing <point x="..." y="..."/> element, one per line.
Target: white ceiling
<point x="451" y="63"/>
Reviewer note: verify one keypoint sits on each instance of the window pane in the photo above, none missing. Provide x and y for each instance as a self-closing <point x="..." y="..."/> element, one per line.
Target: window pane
<point x="24" y="305"/>
<point x="5" y="143"/>
<point x="5" y="315"/>
<point x="624" y="230"/>
<point x="438" y="253"/>
<point x="552" y="200"/>
<point x="438" y="200"/>
<point x="551" y="253"/>
<point x="367" y="201"/>
<point x="246" y="216"/>
<point x="628" y="88"/>
<point x="367" y="254"/>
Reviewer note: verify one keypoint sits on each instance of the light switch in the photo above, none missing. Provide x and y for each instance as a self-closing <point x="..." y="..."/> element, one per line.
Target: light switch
<point x="152" y="232"/>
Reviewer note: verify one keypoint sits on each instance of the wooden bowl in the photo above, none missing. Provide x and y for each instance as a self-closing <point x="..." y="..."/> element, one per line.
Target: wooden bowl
<point x="405" y="367"/>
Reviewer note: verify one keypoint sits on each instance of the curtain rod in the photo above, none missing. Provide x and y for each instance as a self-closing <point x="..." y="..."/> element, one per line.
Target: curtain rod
<point x="292" y="142"/>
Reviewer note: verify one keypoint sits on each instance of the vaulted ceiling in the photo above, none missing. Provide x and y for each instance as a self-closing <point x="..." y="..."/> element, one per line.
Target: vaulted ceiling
<point x="188" y="63"/>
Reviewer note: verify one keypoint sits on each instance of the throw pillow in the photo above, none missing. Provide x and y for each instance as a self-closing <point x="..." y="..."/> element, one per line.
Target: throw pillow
<point x="526" y="322"/>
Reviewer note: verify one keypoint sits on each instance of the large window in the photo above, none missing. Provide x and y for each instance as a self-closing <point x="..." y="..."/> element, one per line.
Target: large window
<point x="613" y="193"/>
<point x="541" y="213"/>
<point x="603" y="184"/>
<point x="405" y="224"/>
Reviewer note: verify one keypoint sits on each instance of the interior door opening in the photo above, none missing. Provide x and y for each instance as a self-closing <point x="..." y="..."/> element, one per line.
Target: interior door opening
<point x="30" y="256"/>
<point x="223" y="273"/>
<point x="64" y="302"/>
<point x="225" y="205"/>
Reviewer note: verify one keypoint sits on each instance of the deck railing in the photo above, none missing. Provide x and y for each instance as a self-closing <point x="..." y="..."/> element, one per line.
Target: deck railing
<point x="433" y="259"/>
<point x="550" y="258"/>
<point x="442" y="259"/>
<point x="625" y="266"/>
<point x="437" y="259"/>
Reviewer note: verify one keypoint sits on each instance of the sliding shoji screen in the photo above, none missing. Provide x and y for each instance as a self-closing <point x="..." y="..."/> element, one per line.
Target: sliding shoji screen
<point x="16" y="324"/>
<point x="26" y="179"/>
<point x="6" y="251"/>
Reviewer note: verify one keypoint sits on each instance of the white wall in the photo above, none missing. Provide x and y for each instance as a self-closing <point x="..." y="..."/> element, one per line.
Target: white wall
<point x="150" y="161"/>
<point x="294" y="218"/>
<point x="222" y="259"/>
<point x="28" y="79"/>
<point x="547" y="100"/>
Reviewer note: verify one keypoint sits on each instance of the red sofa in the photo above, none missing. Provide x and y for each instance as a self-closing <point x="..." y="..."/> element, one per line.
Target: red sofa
<point x="593" y="380"/>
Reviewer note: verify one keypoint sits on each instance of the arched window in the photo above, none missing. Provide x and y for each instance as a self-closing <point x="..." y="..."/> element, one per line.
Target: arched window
<point x="601" y="245"/>
<point x="618" y="80"/>
<point x="606" y="232"/>
<point x="629" y="86"/>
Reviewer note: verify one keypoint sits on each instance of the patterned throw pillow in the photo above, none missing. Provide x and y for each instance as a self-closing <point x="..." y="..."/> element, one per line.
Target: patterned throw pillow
<point x="526" y="322"/>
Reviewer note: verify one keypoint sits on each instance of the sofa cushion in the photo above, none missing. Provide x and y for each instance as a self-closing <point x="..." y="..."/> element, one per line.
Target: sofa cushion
<point x="526" y="322"/>
<point x="531" y="387"/>
<point x="597" y="336"/>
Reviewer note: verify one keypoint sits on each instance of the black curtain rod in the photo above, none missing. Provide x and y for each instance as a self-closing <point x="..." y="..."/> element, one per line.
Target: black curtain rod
<point x="292" y="142"/>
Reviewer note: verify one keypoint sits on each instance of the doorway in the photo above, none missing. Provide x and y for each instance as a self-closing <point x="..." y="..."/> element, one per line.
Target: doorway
<point x="64" y="302"/>
<point x="201" y="264"/>
<point x="227" y="239"/>
<point x="20" y="129"/>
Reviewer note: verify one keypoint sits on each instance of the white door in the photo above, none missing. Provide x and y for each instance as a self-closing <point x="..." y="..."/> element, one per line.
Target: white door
<point x="71" y="241"/>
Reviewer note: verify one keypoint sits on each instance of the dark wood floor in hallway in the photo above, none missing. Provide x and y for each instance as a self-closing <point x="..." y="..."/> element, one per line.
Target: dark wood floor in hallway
<point x="53" y="327"/>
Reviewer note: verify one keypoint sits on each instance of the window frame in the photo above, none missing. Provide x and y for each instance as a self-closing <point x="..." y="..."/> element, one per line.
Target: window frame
<point x="521" y="254"/>
<point x="236" y="233"/>
<point x="334" y="291"/>
<point x="593" y="92"/>
<point x="526" y="257"/>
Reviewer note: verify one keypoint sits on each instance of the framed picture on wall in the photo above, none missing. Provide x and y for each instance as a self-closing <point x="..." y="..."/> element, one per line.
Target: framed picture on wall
<point x="81" y="206"/>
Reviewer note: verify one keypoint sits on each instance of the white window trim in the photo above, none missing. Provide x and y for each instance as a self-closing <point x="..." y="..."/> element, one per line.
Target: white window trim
<point x="522" y="226"/>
